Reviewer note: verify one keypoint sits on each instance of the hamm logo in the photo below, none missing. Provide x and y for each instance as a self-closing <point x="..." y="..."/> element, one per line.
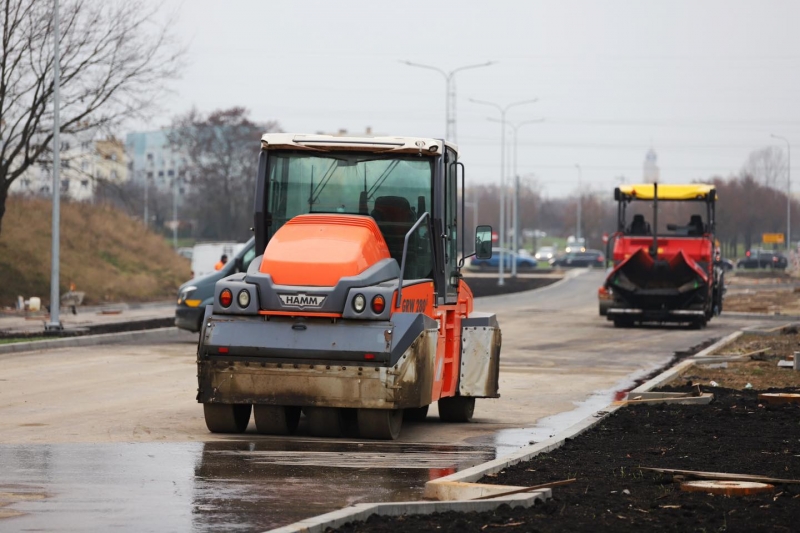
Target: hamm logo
<point x="302" y="300"/>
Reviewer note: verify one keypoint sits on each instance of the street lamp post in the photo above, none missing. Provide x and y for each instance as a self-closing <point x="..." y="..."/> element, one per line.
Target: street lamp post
<point x="450" y="93"/>
<point x="503" y="111"/>
<point x="515" y="201"/>
<point x="516" y="128"/>
<point x="55" y="297"/>
<point x="580" y="198"/>
<point x="788" y="191"/>
<point x="175" y="212"/>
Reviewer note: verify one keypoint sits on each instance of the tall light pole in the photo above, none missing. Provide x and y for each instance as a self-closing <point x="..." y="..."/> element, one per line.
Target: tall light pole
<point x="55" y="297"/>
<point x="580" y="197"/>
<point x="503" y="110"/>
<point x="515" y="200"/>
<point x="450" y="93"/>
<point x="788" y="192"/>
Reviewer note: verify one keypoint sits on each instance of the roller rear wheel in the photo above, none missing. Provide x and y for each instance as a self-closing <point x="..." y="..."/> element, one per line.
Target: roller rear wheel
<point x="226" y="417"/>
<point x="324" y="421"/>
<point x="382" y="424"/>
<point x="456" y="408"/>
<point x="276" y="419"/>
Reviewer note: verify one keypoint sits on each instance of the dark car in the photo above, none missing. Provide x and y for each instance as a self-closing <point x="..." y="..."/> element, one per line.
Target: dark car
<point x="195" y="294"/>
<point x="763" y="259"/>
<point x="524" y="262"/>
<point x="589" y="258"/>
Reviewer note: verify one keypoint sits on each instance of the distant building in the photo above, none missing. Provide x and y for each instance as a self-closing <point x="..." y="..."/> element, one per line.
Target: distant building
<point x="85" y="162"/>
<point x="151" y="158"/>
<point x="651" y="171"/>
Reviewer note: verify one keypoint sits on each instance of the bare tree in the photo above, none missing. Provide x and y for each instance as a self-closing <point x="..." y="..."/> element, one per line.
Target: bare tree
<point x="222" y="153"/>
<point x="767" y="166"/>
<point x="115" y="59"/>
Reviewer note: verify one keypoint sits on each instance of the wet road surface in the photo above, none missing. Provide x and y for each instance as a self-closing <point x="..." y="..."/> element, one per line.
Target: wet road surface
<point x="67" y="419"/>
<point x="241" y="485"/>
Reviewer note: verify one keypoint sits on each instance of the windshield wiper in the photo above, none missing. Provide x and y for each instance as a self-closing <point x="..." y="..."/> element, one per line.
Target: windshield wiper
<point x="382" y="178"/>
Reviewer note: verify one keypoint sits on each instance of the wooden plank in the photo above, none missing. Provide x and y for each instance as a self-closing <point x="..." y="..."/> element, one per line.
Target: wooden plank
<point x="722" y="476"/>
<point x="529" y="489"/>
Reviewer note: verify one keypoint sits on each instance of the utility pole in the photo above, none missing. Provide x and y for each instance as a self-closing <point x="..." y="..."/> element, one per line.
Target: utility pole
<point x="450" y="93"/>
<point x="503" y="111"/>
<point x="788" y="192"/>
<point x="580" y="198"/>
<point x="55" y="297"/>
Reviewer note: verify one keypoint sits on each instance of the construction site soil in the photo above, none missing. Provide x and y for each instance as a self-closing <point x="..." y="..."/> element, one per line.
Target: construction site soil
<point x="736" y="433"/>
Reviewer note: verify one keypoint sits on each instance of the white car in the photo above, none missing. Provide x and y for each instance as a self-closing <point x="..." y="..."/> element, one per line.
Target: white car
<point x="545" y="253"/>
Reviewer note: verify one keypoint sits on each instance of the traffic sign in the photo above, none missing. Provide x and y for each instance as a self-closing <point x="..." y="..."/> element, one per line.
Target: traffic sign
<point x="495" y="236"/>
<point x="772" y="238"/>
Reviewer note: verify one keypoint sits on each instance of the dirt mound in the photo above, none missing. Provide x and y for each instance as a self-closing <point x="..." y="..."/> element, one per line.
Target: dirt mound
<point x="104" y="253"/>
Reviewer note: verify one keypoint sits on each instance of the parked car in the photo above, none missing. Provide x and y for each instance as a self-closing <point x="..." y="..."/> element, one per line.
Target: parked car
<point x="763" y="259"/>
<point x="589" y="258"/>
<point x="195" y="294"/>
<point x="524" y="262"/>
<point x="545" y="253"/>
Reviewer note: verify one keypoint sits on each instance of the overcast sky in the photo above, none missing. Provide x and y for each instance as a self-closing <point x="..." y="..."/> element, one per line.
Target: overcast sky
<point x="703" y="82"/>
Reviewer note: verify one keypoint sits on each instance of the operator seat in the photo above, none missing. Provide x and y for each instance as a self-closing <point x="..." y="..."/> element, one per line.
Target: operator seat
<point x="696" y="227"/>
<point x="639" y="226"/>
<point x="394" y="217"/>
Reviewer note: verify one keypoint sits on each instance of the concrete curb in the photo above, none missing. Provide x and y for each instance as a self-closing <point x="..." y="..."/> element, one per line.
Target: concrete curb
<point x="758" y="316"/>
<point x="159" y="334"/>
<point x="571" y="274"/>
<point x="362" y="511"/>
<point x="671" y="373"/>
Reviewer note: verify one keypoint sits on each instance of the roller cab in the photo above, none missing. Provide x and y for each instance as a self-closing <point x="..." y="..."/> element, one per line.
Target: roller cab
<point x="355" y="314"/>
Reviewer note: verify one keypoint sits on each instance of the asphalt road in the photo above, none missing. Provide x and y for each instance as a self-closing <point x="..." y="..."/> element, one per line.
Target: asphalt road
<point x="110" y="436"/>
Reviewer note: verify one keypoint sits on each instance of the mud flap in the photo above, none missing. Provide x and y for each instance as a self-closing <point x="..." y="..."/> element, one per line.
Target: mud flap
<point x="480" y="357"/>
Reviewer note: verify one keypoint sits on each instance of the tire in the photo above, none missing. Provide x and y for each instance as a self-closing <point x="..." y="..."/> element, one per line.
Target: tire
<point x="456" y="408"/>
<point x="623" y="323"/>
<point x="383" y="424"/>
<point x="417" y="414"/>
<point x="324" y="421"/>
<point x="226" y="417"/>
<point x="276" y="419"/>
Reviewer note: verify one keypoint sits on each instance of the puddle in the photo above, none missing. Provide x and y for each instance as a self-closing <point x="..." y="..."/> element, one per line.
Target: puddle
<point x="507" y="441"/>
<point x="237" y="485"/>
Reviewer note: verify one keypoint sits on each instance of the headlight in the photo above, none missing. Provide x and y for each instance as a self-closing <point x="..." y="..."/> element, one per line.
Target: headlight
<point x="359" y="303"/>
<point x="243" y="298"/>
<point x="185" y="293"/>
